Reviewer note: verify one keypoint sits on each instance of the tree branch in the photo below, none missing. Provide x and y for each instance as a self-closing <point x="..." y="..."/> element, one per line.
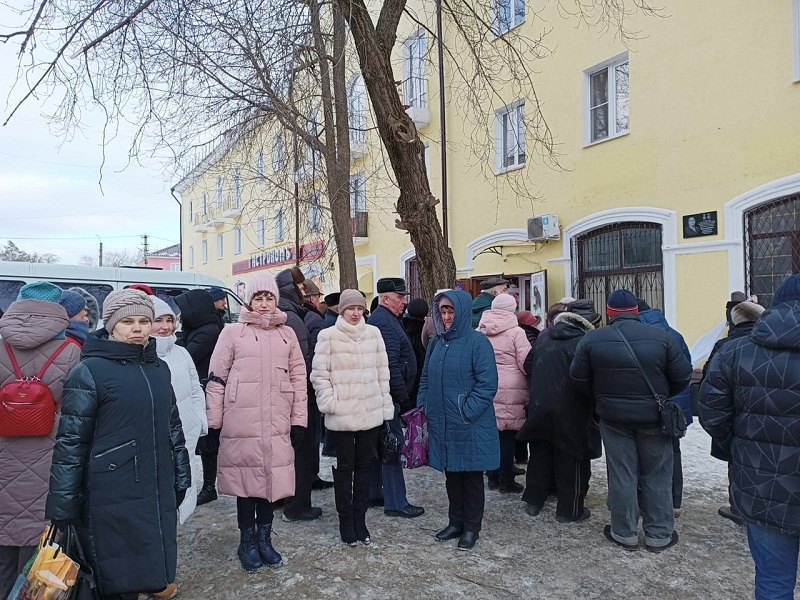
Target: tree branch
<point x="386" y="29"/>
<point x="124" y="23"/>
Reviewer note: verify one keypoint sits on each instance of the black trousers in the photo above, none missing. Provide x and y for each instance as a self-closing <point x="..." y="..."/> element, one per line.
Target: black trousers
<point x="253" y="511"/>
<point x="466" y="495"/>
<point x="507" y="448"/>
<point x="677" y="474"/>
<point x="571" y="475"/>
<point x="306" y="464"/>
<point x="354" y="449"/>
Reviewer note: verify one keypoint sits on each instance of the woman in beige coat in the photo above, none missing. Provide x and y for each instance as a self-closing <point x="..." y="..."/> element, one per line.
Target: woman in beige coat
<point x="257" y="396"/>
<point x="350" y="374"/>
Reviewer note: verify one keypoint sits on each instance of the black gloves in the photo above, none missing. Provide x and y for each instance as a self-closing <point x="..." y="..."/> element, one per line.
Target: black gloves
<point x="62" y="524"/>
<point x="209" y="444"/>
<point x="180" y="495"/>
<point x="297" y="435"/>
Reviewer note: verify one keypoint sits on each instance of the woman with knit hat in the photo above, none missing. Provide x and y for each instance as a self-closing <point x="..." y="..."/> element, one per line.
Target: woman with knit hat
<point x="256" y="394"/>
<point x="32" y="331"/>
<point x="351" y="377"/>
<point x="511" y="347"/>
<point x="120" y="468"/>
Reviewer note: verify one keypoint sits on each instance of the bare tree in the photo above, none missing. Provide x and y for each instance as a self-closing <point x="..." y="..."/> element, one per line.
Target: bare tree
<point x="235" y="65"/>
<point x="120" y="258"/>
<point x="11" y="252"/>
<point x="87" y="260"/>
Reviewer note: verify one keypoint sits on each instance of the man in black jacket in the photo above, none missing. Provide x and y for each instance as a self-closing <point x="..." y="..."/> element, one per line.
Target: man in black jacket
<point x="749" y="405"/>
<point x="637" y="453"/>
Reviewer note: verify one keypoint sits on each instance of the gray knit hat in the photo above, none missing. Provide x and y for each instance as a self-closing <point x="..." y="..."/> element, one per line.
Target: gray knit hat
<point x="126" y="303"/>
<point x="350" y="298"/>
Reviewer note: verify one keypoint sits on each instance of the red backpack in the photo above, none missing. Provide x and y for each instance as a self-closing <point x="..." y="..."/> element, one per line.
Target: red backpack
<point x="27" y="406"/>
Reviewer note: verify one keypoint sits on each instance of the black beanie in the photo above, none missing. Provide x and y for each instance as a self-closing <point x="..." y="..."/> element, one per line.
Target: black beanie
<point x="417" y="308"/>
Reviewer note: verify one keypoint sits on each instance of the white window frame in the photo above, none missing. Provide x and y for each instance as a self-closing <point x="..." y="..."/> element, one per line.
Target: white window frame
<point x="610" y="66"/>
<point x="191" y="208"/>
<point x="220" y="246"/>
<point x="313" y="156"/>
<point x="219" y="190"/>
<point x="280" y="225"/>
<point x="205" y="203"/>
<point x="237" y="240"/>
<point x="511" y="116"/>
<point x="517" y="10"/>
<point x="415" y="79"/>
<point x="357" y="111"/>
<point x="796" y="38"/>
<point x="237" y="188"/>
<point x="314" y="212"/>
<point x="204" y="251"/>
<point x="175" y="267"/>
<point x="260" y="164"/>
<point x="261" y="232"/>
<point x="191" y="256"/>
<point x="358" y="202"/>
<point x="278" y="154"/>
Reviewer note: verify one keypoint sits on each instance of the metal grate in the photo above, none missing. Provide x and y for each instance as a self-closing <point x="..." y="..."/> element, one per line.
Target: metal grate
<point x="412" y="278"/>
<point x="772" y="245"/>
<point x="624" y="255"/>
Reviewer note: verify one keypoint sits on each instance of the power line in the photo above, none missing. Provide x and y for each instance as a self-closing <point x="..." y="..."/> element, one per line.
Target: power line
<point x="91" y="237"/>
<point x="92" y="214"/>
<point x="48" y="162"/>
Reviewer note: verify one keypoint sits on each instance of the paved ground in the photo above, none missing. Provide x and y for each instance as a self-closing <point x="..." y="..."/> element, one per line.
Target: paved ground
<point x="517" y="556"/>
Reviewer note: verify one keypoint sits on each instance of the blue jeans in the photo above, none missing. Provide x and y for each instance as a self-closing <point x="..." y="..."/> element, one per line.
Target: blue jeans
<point x="639" y="459"/>
<point x="388" y="481"/>
<point x="775" y="555"/>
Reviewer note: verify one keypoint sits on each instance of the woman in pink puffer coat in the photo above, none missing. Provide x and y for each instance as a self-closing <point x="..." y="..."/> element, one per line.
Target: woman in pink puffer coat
<point x="511" y="347"/>
<point x="257" y="396"/>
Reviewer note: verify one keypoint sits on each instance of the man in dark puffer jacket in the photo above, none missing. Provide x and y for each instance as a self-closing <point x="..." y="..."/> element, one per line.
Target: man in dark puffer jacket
<point x="636" y="450"/>
<point x="750" y="405"/>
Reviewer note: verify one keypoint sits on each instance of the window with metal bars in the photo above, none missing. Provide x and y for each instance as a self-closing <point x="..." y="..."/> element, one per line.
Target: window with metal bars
<point x="772" y="245"/>
<point x="620" y="256"/>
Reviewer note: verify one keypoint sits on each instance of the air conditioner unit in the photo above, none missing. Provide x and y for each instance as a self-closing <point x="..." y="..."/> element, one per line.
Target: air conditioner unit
<point x="543" y="228"/>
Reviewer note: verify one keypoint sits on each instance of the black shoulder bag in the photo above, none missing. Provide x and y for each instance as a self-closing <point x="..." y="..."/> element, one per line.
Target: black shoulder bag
<point x="672" y="421"/>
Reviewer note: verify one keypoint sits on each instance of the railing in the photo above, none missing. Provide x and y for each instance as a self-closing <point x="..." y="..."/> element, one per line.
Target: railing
<point x="358" y="223"/>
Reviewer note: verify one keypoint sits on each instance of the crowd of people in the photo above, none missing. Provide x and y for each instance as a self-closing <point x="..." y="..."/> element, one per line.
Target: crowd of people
<point x="301" y="373"/>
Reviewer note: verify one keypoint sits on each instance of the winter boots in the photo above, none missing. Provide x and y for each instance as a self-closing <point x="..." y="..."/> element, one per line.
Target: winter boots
<point x="361" y="480"/>
<point x="343" y="494"/>
<point x="209" y="491"/>
<point x="268" y="554"/>
<point x="248" y="552"/>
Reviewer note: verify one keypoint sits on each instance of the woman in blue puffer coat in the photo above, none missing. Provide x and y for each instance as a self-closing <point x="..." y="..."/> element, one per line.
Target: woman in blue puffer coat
<point x="457" y="388"/>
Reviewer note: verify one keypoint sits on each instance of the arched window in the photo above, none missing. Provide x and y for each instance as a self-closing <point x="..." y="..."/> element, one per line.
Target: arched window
<point x="622" y="255"/>
<point x="772" y="245"/>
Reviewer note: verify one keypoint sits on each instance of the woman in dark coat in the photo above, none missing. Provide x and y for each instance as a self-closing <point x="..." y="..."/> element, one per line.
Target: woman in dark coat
<point x="457" y="389"/>
<point x="413" y="322"/>
<point x="563" y="434"/>
<point x="120" y="468"/>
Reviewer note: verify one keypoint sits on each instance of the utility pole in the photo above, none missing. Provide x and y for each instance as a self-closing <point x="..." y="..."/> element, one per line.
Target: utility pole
<point x="145" y="248"/>
<point x="100" y="254"/>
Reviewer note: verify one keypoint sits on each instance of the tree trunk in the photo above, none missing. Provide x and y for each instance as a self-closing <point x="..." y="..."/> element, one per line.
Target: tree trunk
<point x="416" y="205"/>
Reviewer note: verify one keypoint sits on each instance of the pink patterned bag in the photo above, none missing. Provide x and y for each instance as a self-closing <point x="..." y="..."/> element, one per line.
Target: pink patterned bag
<point x="415" y="441"/>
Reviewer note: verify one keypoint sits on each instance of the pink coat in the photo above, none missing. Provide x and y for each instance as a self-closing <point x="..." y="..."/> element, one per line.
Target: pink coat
<point x="265" y="394"/>
<point x="511" y="347"/>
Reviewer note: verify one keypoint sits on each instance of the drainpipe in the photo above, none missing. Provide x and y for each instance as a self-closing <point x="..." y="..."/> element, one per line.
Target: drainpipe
<point x="180" y="224"/>
<point x="442" y="115"/>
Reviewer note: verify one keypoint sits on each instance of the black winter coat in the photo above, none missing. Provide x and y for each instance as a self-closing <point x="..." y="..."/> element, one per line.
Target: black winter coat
<point x="201" y="327"/>
<point x="118" y="461"/>
<point x="604" y="364"/>
<point x="532" y="333"/>
<point x="560" y="411"/>
<point x="291" y="303"/>
<point x="314" y="323"/>
<point x="402" y="363"/>
<point x="330" y="318"/>
<point x="413" y="328"/>
<point x="750" y="405"/>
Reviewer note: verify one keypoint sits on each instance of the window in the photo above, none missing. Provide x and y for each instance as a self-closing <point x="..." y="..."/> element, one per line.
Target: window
<point x="607" y="100"/>
<point x="260" y="164"/>
<point x="280" y="225"/>
<point x="261" y="231"/>
<point x="237" y="188"/>
<point x="507" y="14"/>
<point x="219" y="191"/>
<point x="191" y="256"/>
<point x="220" y="245"/>
<point x="237" y="240"/>
<point x="279" y="154"/>
<point x="175" y="267"/>
<point x="191" y="210"/>
<point x="204" y="249"/>
<point x="358" y="194"/>
<point x="510" y="136"/>
<point x="205" y="204"/>
<point x="9" y="290"/>
<point x="313" y="156"/>
<point x="415" y="84"/>
<point x="98" y="290"/>
<point x="314" y="213"/>
<point x="356" y="111"/>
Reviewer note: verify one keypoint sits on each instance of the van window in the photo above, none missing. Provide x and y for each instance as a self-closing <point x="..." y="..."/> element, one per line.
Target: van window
<point x="168" y="295"/>
<point x="99" y="291"/>
<point x="232" y="308"/>
<point x="9" y="290"/>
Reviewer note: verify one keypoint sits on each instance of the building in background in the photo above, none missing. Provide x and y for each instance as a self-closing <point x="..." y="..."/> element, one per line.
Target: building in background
<point x="167" y="259"/>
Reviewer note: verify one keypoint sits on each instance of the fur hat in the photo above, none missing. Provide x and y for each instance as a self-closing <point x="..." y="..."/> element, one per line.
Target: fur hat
<point x="311" y="288"/>
<point x="72" y="302"/>
<point x="746" y="312"/>
<point x="126" y="303"/>
<point x="350" y="298"/>
<point x="332" y="299"/>
<point x="92" y="307"/>
<point x="40" y="290"/>
<point x="585" y="309"/>
<point x="504" y="302"/>
<point x="160" y="308"/>
<point x="263" y="283"/>
<point x="417" y="308"/>
<point x="788" y="291"/>
<point x="526" y="317"/>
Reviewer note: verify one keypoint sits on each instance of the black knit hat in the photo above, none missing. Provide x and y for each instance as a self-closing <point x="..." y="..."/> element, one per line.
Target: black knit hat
<point x="417" y="308"/>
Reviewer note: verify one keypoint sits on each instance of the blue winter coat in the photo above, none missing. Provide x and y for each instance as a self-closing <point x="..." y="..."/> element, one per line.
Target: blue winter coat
<point x="656" y="318"/>
<point x="402" y="363"/>
<point x="457" y="388"/>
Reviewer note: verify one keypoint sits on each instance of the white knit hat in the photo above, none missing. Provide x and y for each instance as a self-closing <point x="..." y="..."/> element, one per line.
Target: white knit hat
<point x="161" y="307"/>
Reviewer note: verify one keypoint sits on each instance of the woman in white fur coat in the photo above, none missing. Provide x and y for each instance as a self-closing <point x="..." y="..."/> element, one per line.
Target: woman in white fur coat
<point x="188" y="393"/>
<point x="350" y="374"/>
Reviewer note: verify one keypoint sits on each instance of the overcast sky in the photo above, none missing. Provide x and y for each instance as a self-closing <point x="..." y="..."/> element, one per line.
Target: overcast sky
<point x="50" y="199"/>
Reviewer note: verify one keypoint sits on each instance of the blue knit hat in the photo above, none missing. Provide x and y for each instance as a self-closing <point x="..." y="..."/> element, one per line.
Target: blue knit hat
<point x="623" y="301"/>
<point x="216" y="293"/>
<point x="788" y="291"/>
<point x="72" y="302"/>
<point x="41" y="290"/>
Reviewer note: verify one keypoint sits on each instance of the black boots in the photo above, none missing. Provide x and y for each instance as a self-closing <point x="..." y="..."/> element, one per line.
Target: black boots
<point x="209" y="491"/>
<point x="268" y="554"/>
<point x="343" y="494"/>
<point x="361" y="505"/>
<point x="248" y="550"/>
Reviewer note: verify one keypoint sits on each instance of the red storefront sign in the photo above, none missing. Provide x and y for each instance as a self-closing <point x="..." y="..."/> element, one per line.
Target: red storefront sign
<point x="277" y="257"/>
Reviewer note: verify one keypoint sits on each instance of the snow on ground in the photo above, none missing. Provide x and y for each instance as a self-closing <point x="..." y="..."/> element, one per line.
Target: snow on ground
<point x="517" y="556"/>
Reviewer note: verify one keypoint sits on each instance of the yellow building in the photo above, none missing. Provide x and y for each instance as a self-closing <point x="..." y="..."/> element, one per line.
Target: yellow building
<point x="679" y="173"/>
